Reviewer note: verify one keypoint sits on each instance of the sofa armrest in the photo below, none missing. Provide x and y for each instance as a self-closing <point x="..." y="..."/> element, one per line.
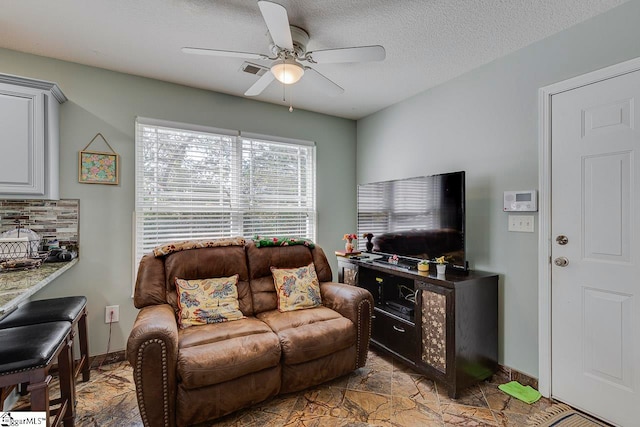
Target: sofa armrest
<point x="356" y="304"/>
<point x="152" y="350"/>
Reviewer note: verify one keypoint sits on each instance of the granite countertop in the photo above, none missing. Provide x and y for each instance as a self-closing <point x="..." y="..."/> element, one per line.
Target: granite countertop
<point x="17" y="286"/>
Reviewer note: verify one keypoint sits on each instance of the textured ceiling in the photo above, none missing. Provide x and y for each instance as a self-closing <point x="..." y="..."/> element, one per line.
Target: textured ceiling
<point x="427" y="41"/>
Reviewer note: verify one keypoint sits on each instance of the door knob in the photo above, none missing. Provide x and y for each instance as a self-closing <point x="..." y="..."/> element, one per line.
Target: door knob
<point x="562" y="240"/>
<point x="561" y="261"/>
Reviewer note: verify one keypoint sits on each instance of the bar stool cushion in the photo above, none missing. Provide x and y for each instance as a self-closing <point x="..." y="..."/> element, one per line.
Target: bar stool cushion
<point x="46" y="310"/>
<point x="31" y="346"/>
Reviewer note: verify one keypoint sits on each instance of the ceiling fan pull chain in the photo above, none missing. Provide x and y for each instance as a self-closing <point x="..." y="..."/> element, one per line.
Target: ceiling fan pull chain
<point x="291" y="101"/>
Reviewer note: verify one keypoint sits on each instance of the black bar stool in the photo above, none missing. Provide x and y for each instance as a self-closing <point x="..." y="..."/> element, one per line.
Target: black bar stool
<point x="27" y="353"/>
<point x="68" y="309"/>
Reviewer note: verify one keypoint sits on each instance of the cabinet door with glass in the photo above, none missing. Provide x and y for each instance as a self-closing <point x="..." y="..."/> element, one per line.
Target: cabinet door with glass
<point x="435" y="325"/>
<point x="347" y="273"/>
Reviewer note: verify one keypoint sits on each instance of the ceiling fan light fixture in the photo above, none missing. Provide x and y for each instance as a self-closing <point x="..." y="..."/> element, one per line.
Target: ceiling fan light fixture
<point x="287" y="71"/>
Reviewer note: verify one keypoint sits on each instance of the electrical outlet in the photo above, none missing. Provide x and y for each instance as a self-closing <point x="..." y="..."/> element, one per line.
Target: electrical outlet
<point x="112" y="314"/>
<point x="522" y="223"/>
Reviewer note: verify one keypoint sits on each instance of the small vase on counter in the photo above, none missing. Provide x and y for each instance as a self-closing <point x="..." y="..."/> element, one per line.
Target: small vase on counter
<point x="369" y="244"/>
<point x="348" y="246"/>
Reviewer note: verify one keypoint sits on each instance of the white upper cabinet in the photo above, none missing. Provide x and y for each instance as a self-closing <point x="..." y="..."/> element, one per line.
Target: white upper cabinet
<point x="29" y="138"/>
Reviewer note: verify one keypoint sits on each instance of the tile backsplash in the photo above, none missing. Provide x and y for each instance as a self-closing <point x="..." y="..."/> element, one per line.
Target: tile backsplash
<point x="51" y="219"/>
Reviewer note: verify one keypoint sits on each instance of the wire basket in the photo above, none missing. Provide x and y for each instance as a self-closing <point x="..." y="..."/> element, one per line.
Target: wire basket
<point x="22" y="255"/>
<point x="15" y="250"/>
<point x="19" y="244"/>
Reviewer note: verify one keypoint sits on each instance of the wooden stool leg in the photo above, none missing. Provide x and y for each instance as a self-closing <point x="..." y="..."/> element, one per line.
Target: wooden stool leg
<point x="84" y="346"/>
<point x="40" y="394"/>
<point x="67" y="383"/>
<point x="5" y="391"/>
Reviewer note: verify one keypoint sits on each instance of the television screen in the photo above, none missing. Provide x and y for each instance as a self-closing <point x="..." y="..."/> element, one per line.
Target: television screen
<point x="417" y="218"/>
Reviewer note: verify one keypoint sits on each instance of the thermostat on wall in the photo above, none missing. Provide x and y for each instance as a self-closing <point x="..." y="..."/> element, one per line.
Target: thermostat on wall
<point x="521" y="201"/>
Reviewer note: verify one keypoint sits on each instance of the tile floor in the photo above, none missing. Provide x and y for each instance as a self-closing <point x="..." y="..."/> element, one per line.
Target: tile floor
<point x="383" y="393"/>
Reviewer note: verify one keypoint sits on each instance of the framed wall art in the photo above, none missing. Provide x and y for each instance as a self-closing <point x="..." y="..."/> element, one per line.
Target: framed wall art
<point x="97" y="167"/>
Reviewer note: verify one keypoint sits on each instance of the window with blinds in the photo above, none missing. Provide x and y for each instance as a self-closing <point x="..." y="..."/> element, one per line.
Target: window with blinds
<point x="194" y="183"/>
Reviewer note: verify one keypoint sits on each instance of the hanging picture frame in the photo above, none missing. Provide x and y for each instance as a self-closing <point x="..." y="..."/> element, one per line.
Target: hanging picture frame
<point x="97" y="167"/>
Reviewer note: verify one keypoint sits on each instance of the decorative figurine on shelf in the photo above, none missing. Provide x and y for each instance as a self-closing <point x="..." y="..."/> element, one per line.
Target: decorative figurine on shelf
<point x="393" y="259"/>
<point x="441" y="265"/>
<point x="348" y="247"/>
<point x="369" y="243"/>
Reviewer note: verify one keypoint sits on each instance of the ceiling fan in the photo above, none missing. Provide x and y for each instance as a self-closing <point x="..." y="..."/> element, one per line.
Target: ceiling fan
<point x="288" y="54"/>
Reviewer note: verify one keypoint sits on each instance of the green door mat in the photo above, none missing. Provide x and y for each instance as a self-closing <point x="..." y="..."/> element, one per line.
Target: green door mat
<point x="527" y="394"/>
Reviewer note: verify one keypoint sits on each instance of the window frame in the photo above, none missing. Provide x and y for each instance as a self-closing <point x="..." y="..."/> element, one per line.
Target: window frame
<point x="241" y="210"/>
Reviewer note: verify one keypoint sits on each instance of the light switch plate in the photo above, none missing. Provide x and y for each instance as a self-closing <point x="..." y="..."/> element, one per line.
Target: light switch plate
<point x="522" y="223"/>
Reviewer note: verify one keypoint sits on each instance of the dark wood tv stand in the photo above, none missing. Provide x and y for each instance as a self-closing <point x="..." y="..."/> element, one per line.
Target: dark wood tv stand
<point x="444" y="327"/>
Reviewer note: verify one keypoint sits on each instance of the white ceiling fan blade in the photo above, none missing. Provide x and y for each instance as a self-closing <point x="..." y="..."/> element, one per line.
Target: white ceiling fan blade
<point x="348" y="54"/>
<point x="277" y="20"/>
<point x="260" y="85"/>
<point x="322" y="83"/>
<point x="227" y="53"/>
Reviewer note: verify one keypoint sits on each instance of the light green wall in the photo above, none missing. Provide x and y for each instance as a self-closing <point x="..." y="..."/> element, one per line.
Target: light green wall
<point x="108" y="102"/>
<point x="486" y="122"/>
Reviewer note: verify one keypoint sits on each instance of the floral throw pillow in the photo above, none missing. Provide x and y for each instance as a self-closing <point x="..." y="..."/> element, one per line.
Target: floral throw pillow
<point x="207" y="301"/>
<point x="297" y="288"/>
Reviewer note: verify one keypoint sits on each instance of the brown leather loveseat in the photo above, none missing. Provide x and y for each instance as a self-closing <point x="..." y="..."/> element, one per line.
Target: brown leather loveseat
<point x="187" y="376"/>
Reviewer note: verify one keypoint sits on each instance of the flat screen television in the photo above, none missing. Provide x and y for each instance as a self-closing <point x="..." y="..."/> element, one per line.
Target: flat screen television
<point x="415" y="218"/>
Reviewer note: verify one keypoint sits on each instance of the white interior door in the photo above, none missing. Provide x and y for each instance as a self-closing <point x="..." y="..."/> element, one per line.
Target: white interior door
<point x="595" y="204"/>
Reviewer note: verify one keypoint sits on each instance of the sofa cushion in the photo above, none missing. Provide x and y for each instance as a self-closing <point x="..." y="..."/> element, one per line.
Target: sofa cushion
<point x="215" y="353"/>
<point x="210" y="334"/>
<point x="204" y="263"/>
<point x="260" y="261"/>
<point x="310" y="334"/>
<point x="297" y="288"/>
<point x="205" y="301"/>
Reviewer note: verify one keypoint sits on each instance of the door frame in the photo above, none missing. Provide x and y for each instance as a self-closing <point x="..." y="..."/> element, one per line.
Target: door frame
<point x="544" y="184"/>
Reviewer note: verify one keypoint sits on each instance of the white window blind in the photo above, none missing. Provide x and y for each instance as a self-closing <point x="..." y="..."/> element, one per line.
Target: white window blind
<point x="196" y="183"/>
<point x="374" y="211"/>
<point x="278" y="188"/>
